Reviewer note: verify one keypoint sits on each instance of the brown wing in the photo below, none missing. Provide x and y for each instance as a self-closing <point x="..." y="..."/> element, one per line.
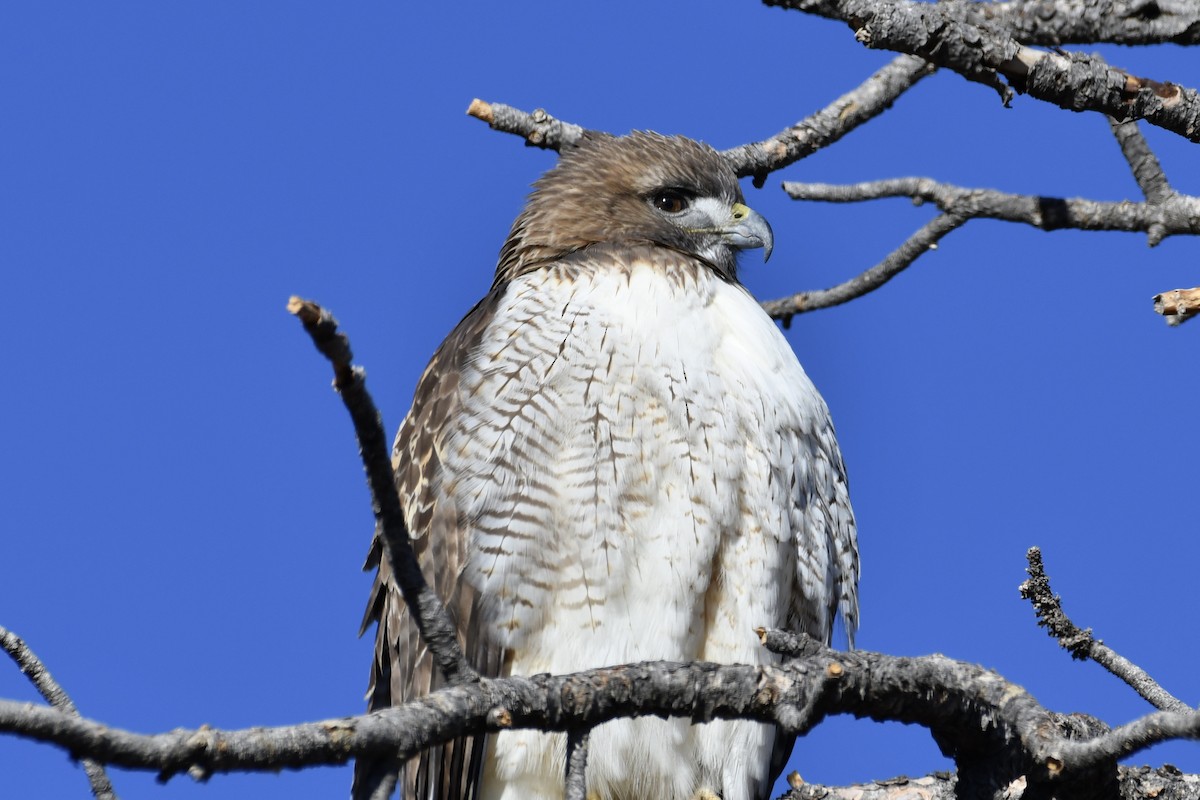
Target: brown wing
<point x="835" y="524"/>
<point x="403" y="668"/>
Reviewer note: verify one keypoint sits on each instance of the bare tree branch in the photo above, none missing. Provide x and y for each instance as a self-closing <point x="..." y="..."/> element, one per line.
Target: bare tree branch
<point x="994" y="730"/>
<point x="1056" y="22"/>
<point x="350" y="382"/>
<point x="1178" y="306"/>
<point x="822" y="128"/>
<point x="1177" y="214"/>
<point x="32" y="668"/>
<point x="1081" y="644"/>
<point x="982" y="50"/>
<point x="784" y="308"/>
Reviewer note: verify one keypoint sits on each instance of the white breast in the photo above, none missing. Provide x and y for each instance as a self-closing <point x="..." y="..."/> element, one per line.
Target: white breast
<point x="633" y="469"/>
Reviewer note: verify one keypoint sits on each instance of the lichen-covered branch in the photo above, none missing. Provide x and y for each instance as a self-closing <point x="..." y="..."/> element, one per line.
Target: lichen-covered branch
<point x="1080" y="643"/>
<point x="925" y="239"/>
<point x="32" y="668"/>
<point x="981" y="50"/>
<point x="427" y="610"/>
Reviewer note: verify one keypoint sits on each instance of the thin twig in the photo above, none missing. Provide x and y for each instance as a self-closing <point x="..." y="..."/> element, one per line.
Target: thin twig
<point x="1146" y="171"/>
<point x="824" y="127"/>
<point x="577" y="756"/>
<point x="1081" y="644"/>
<point x="1124" y="741"/>
<point x="1174" y="215"/>
<point x="437" y="631"/>
<point x="896" y="262"/>
<point x="32" y="668"/>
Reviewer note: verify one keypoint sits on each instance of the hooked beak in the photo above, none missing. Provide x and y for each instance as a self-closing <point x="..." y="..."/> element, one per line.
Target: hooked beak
<point x="748" y="229"/>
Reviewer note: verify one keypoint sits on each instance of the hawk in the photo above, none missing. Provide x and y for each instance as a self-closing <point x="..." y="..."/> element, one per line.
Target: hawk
<point x="616" y="457"/>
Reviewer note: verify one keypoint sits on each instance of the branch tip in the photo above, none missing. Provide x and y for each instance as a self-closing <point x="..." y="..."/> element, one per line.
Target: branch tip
<point x="1178" y="305"/>
<point x="481" y="109"/>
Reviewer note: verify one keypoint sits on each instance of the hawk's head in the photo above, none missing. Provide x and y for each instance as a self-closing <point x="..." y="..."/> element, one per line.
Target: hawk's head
<point x="643" y="188"/>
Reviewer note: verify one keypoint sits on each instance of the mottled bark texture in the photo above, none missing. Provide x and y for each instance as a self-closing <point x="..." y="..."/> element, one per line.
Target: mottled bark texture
<point x="1050" y="23"/>
<point x="984" y="50"/>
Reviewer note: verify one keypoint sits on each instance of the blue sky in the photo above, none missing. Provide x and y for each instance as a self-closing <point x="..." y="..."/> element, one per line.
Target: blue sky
<point x="184" y="515"/>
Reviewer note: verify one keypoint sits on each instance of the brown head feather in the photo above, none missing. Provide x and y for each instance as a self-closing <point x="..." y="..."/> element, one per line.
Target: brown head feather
<point x="600" y="191"/>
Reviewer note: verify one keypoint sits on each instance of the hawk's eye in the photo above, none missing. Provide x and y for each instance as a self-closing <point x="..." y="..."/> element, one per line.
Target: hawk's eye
<point x="670" y="201"/>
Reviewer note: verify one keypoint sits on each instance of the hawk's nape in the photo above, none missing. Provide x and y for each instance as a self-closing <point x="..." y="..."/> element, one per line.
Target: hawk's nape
<point x="616" y="457"/>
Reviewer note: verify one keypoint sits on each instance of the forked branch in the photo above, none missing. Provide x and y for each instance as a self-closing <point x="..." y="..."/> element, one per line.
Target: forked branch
<point x="32" y="668"/>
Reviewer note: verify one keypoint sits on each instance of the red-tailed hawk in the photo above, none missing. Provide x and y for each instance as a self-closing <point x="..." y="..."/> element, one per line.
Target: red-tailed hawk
<point x="616" y="457"/>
